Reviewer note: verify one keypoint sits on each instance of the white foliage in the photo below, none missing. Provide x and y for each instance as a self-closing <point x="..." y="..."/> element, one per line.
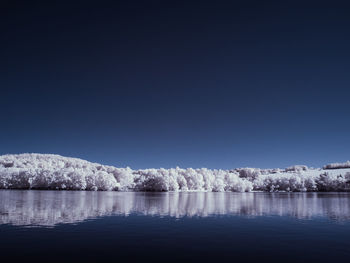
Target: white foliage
<point x="296" y="168"/>
<point x="47" y="171"/>
<point x="337" y="165"/>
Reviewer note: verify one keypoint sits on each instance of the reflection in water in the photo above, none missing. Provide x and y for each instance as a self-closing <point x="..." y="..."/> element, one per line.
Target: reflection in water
<point x="48" y="208"/>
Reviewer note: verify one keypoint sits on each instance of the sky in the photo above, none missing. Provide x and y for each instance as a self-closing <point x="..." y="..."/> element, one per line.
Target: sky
<point x="149" y="84"/>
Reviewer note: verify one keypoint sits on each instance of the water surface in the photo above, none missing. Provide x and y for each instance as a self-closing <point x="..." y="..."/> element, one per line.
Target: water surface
<point x="80" y="226"/>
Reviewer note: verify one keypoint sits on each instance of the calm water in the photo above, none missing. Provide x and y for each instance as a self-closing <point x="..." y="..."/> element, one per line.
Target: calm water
<point x="172" y="227"/>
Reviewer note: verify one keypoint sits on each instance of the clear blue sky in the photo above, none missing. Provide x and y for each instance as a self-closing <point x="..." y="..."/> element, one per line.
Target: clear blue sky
<point x="218" y="84"/>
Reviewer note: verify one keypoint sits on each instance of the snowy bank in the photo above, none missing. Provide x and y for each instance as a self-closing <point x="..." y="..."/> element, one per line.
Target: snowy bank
<point x="48" y="171"/>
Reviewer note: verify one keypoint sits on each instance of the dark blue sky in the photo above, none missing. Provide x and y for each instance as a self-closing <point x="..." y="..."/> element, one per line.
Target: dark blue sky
<point x="165" y="83"/>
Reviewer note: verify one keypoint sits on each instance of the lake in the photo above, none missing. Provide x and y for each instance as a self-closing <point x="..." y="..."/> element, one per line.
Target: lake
<point x="82" y="226"/>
